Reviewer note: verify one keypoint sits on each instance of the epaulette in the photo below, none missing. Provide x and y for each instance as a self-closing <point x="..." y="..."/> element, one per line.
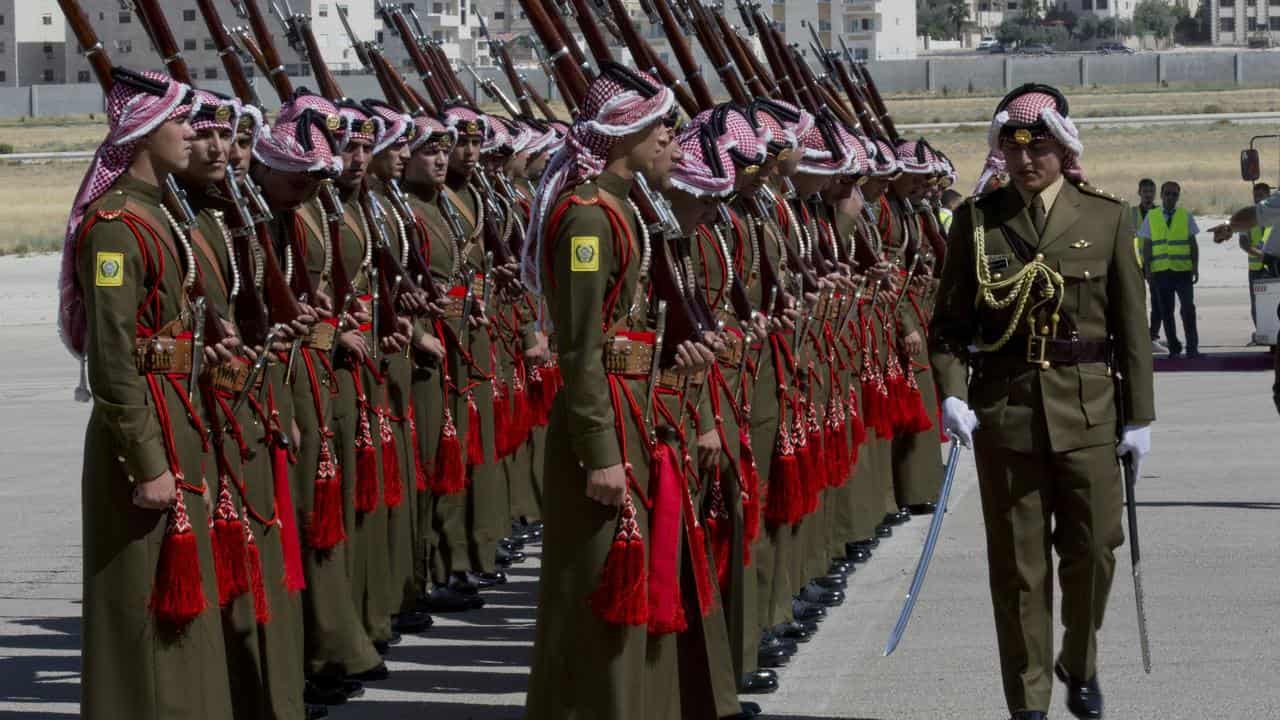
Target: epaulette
<point x="1098" y="192"/>
<point x="111" y="206"/>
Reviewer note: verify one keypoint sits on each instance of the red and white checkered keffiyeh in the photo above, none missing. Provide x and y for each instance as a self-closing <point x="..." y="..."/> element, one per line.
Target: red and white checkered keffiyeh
<point x="620" y="102"/>
<point x="695" y="173"/>
<point x="360" y="125"/>
<point x="466" y="120"/>
<point x="522" y="135"/>
<point x="828" y="149"/>
<point x="885" y="161"/>
<point x="431" y="130"/>
<point x="212" y="116"/>
<point x="132" y="114"/>
<point x="913" y="157"/>
<point x="303" y="139"/>
<point x="395" y="123"/>
<point x="1030" y="109"/>
<point x="786" y="122"/>
<point x="499" y="136"/>
<point x="541" y="141"/>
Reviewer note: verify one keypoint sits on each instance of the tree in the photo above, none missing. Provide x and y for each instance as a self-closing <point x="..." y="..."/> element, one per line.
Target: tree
<point x="1154" y="17"/>
<point x="957" y="14"/>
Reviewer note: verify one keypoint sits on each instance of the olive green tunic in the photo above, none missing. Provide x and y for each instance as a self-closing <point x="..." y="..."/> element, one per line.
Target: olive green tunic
<point x="133" y="667"/>
<point x="583" y="668"/>
<point x="1045" y="444"/>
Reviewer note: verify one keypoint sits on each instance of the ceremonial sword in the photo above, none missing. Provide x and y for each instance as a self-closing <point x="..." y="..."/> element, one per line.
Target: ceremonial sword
<point x="930" y="541"/>
<point x="1131" y="515"/>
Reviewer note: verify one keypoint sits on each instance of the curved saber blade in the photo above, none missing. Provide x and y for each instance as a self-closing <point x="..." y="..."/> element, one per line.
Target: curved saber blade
<point x="1135" y="554"/>
<point x="931" y="540"/>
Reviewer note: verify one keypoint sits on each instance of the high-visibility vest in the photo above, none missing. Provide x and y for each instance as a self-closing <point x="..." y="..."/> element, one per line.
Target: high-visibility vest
<point x="1170" y="242"/>
<point x="1137" y="241"/>
<point x="1257" y="240"/>
<point x="945" y="217"/>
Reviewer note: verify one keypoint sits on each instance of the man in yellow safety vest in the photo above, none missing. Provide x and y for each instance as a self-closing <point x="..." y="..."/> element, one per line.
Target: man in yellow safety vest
<point x="1253" y="242"/>
<point x="1147" y="203"/>
<point x="1174" y="266"/>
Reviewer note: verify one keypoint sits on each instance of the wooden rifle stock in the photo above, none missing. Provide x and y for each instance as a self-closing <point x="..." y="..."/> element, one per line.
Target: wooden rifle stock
<point x="343" y="289"/>
<point x="717" y="53"/>
<point x="231" y="62"/>
<point x="683" y="54"/>
<point x="417" y="240"/>
<point x="396" y="19"/>
<point x="568" y="42"/>
<point x="157" y="28"/>
<point x="303" y="38"/>
<point x="878" y="102"/>
<point x="90" y="46"/>
<point x="273" y="66"/>
<point x="759" y="84"/>
<point x="568" y="72"/>
<point x="644" y="56"/>
<point x="532" y="93"/>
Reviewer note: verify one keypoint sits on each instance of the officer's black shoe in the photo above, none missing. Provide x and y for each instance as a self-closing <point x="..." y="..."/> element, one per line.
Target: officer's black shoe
<point x="449" y="600"/>
<point x="758" y="682"/>
<point x="810" y="626"/>
<point x="884" y="531"/>
<point x="382" y="646"/>
<point x="801" y="610"/>
<point x="411" y="623"/>
<point x="507" y="558"/>
<point x="1175" y="354"/>
<point x="857" y="552"/>
<point x="831" y="582"/>
<point x="870" y="543"/>
<point x="1029" y="715"/>
<point x="771" y="657"/>
<point x="316" y="712"/>
<point x="460" y="583"/>
<point x="487" y="579"/>
<point x="924" y="508"/>
<point x="794" y="631"/>
<point x="840" y="566"/>
<point x="373" y="674"/>
<point x="317" y="694"/>
<point x="771" y="642"/>
<point x="1084" y="698"/>
<point x="1194" y="354"/>
<point x="515" y="542"/>
<point x="815" y="594"/>
<point x="750" y="708"/>
<point x="352" y="688"/>
<point x="903" y="515"/>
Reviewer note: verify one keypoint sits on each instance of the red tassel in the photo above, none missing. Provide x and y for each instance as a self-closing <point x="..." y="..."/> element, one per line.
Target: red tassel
<point x="177" y="592"/>
<point x="784" y="480"/>
<point x="537" y="403"/>
<point x="324" y="523"/>
<point x="290" y="545"/>
<point x="918" y="416"/>
<point x="419" y="472"/>
<point x="749" y="477"/>
<point x="261" y="612"/>
<point x="450" y="475"/>
<point x="621" y="598"/>
<point x="393" y="486"/>
<point x="666" y="609"/>
<point x="858" y="431"/>
<point x="366" y="464"/>
<point x="522" y="423"/>
<point x="229" y="553"/>
<point x="720" y="529"/>
<point x="698" y="552"/>
<point x="475" y="443"/>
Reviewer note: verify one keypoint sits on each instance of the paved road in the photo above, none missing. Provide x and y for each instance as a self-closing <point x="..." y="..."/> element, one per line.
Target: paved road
<point x="1209" y="536"/>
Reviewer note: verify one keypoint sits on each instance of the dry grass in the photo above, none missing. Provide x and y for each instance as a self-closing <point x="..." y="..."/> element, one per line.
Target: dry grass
<point x="54" y="134"/>
<point x="1203" y="158"/>
<point x="1094" y="104"/>
<point x="36" y="202"/>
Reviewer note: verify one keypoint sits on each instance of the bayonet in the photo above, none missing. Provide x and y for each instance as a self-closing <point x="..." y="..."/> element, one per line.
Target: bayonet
<point x="197" y="346"/>
<point x="654" y="369"/>
<point x="259" y="365"/>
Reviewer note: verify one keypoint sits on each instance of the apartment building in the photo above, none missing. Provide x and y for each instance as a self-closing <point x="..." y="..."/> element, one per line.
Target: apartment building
<point x="1245" y="22"/>
<point x="32" y="43"/>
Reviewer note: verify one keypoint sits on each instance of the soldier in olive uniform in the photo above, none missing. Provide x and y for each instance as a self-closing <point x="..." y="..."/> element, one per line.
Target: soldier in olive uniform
<point x="152" y="635"/>
<point x="1043" y="396"/>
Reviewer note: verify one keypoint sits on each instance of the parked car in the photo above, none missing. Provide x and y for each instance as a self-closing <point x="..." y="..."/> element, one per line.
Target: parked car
<point x="987" y="43"/>
<point x="1115" y="48"/>
<point x="997" y="49"/>
<point x="1036" y="49"/>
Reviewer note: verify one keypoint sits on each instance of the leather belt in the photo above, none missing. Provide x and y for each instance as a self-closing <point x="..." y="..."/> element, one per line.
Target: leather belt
<point x="162" y="355"/>
<point x="1046" y="351"/>
<point x="322" y="335"/>
<point x="229" y="377"/>
<point x="734" y="346"/>
<point x="629" y="353"/>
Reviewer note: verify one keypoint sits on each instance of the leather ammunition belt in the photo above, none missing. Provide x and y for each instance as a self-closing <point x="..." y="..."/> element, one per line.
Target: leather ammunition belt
<point x="458" y="292"/>
<point x="322" y="336"/>
<point x="734" y="346"/>
<point x="229" y="377"/>
<point x="629" y="353"/>
<point x="669" y="379"/>
<point x="162" y="355"/>
<point x="1046" y="351"/>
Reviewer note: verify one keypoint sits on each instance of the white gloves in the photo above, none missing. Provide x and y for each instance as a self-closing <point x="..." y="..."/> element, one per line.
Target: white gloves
<point x="1136" y="441"/>
<point x="959" y="420"/>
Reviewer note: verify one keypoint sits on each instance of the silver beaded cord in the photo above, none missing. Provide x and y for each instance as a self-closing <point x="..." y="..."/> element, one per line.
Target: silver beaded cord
<point x="325" y="240"/>
<point x="753" y="237"/>
<point x="367" y="262"/>
<point x="259" y="264"/>
<point x="231" y="253"/>
<point x="724" y="250"/>
<point x="646" y="257"/>
<point x="189" y="276"/>
<point x="479" y="201"/>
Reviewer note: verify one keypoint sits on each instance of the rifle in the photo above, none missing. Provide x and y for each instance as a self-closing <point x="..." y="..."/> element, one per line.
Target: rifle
<point x="418" y="263"/>
<point x="567" y="42"/>
<point x="498" y="49"/>
<point x="90" y="46"/>
<point x="767" y="33"/>
<point x="761" y="84"/>
<point x="492" y="90"/>
<point x="568" y="73"/>
<point x="561" y="84"/>
<point x="683" y="53"/>
<point x="270" y="61"/>
<point x="532" y="93"/>
<point x="704" y="27"/>
<point x="231" y="61"/>
<point x="300" y="36"/>
<point x="877" y="101"/>
<point x="644" y="56"/>
<point x="393" y="17"/>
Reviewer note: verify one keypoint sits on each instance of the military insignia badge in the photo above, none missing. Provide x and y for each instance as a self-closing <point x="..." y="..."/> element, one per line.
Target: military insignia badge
<point x="1080" y="245"/>
<point x="1022" y="136"/>
<point x="586" y="254"/>
<point x="110" y="269"/>
<point x="222" y="114"/>
<point x="368" y="127"/>
<point x="334" y="122"/>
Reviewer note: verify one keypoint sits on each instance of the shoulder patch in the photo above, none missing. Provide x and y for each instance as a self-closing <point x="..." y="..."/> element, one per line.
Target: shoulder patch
<point x="586" y="253"/>
<point x="1098" y="192"/>
<point x="108" y="269"/>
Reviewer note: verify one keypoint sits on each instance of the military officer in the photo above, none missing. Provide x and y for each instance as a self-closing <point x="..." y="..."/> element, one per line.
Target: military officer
<point x="1050" y="263"/>
<point x="152" y="634"/>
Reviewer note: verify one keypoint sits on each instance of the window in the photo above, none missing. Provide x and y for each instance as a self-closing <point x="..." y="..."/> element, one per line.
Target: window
<point x="1274" y="23"/>
<point x="124" y="46"/>
<point x="860" y="54"/>
<point x="211" y="73"/>
<point x="1086" y="4"/>
<point x="48" y="75"/>
<point x="1" y="19"/>
<point x="378" y="37"/>
<point x="437" y="8"/>
<point x="1101" y="4"/>
<point x="324" y="10"/>
<point x="188" y="15"/>
<point x="189" y="44"/>
<point x="46" y="19"/>
<point x="82" y="76"/>
<point x="1274" y="3"/>
<point x="1252" y="23"/>
<point x="47" y="48"/>
<point x="3" y="74"/>
<point x="2" y="47"/>
<point x="1227" y="24"/>
<point x="125" y="17"/>
<point x="499" y="15"/>
<point x="209" y="44"/>
<point x="322" y="40"/>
